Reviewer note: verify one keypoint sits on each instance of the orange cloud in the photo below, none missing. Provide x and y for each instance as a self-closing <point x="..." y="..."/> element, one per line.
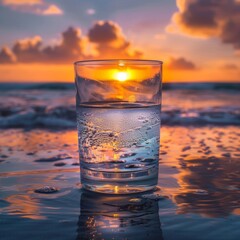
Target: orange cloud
<point x="27" y="50"/>
<point x="181" y="64"/>
<point x="70" y="49"/>
<point x="31" y="50"/>
<point x="21" y="2"/>
<point x="7" y="56"/>
<point x="203" y="18"/>
<point x="110" y="41"/>
<point x="52" y="10"/>
<point x="230" y="66"/>
<point x="32" y="6"/>
<point x="106" y="36"/>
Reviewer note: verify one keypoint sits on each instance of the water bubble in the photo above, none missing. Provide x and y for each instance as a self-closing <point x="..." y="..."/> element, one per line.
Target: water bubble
<point x="233" y="188"/>
<point x="134" y="166"/>
<point x="226" y="155"/>
<point x="135" y="200"/>
<point x="148" y="160"/>
<point x="208" y="152"/>
<point x="59" y="164"/>
<point x="201" y="192"/>
<point x="186" y="148"/>
<point x="212" y="158"/>
<point x="113" y="161"/>
<point x="163" y="153"/>
<point x="127" y="155"/>
<point x="55" y="158"/>
<point x="75" y="164"/>
<point x="153" y="196"/>
<point x="47" y="190"/>
<point x="30" y="153"/>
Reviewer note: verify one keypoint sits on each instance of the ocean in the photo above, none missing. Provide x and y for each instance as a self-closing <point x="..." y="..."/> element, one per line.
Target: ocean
<point x="52" y="105"/>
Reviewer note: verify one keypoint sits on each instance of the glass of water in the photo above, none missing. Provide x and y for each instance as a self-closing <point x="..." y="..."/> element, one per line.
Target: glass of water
<point x="118" y="119"/>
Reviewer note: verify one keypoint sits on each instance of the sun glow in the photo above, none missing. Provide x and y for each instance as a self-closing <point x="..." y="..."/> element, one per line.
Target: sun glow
<point x="116" y="189"/>
<point x="121" y="76"/>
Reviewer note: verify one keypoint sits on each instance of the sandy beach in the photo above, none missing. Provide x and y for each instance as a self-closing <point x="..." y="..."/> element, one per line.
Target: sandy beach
<point x="198" y="190"/>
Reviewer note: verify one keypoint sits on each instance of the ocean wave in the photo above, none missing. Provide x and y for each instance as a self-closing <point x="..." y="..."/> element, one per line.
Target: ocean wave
<point x="202" y="86"/>
<point x="166" y="86"/>
<point x="52" y="105"/>
<point x="65" y="116"/>
<point x="36" y="86"/>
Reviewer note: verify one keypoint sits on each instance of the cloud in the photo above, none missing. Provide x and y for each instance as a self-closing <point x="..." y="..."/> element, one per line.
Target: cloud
<point x="39" y="7"/>
<point x="91" y="11"/>
<point x="7" y="56"/>
<point x="110" y="41"/>
<point x="32" y="50"/>
<point x="160" y="36"/>
<point x="52" y="10"/>
<point x="230" y="66"/>
<point x="27" y="50"/>
<point x="21" y="2"/>
<point x="104" y="40"/>
<point x="181" y="64"/>
<point x="208" y="18"/>
<point x="70" y="49"/>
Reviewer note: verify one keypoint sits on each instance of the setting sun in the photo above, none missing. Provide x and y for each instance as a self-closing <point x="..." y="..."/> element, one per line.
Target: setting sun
<point x="121" y="76"/>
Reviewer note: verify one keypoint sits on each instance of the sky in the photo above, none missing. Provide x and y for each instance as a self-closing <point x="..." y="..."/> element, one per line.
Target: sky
<point x="198" y="40"/>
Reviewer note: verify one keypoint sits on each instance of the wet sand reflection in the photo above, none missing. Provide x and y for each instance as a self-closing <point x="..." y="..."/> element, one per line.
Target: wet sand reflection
<point x="210" y="187"/>
<point x="118" y="217"/>
<point x="205" y="163"/>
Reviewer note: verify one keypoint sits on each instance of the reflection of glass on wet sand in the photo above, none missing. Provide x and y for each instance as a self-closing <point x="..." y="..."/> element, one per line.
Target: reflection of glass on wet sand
<point x="199" y="173"/>
<point x="118" y="217"/>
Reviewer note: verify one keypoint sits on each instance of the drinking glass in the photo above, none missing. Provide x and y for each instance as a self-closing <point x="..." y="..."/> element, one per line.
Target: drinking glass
<point x="118" y="119"/>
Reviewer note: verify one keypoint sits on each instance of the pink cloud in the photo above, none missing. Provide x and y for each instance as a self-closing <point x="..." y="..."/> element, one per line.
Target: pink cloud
<point x="230" y="66"/>
<point x="104" y="39"/>
<point x="110" y="41"/>
<point x="21" y="2"/>
<point x="181" y="64"/>
<point x="208" y="18"/>
<point x="27" y="50"/>
<point x="39" y="7"/>
<point x="52" y="10"/>
<point x="7" y="56"/>
<point x="91" y="11"/>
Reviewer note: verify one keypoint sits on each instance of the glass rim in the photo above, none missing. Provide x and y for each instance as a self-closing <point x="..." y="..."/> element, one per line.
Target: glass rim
<point x="117" y="61"/>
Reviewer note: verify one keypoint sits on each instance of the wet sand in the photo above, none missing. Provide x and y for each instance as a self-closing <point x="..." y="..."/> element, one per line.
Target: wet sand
<point x="198" y="194"/>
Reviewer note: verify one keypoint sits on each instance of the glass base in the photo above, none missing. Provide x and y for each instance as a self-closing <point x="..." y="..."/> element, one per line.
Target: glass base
<point x="120" y="182"/>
